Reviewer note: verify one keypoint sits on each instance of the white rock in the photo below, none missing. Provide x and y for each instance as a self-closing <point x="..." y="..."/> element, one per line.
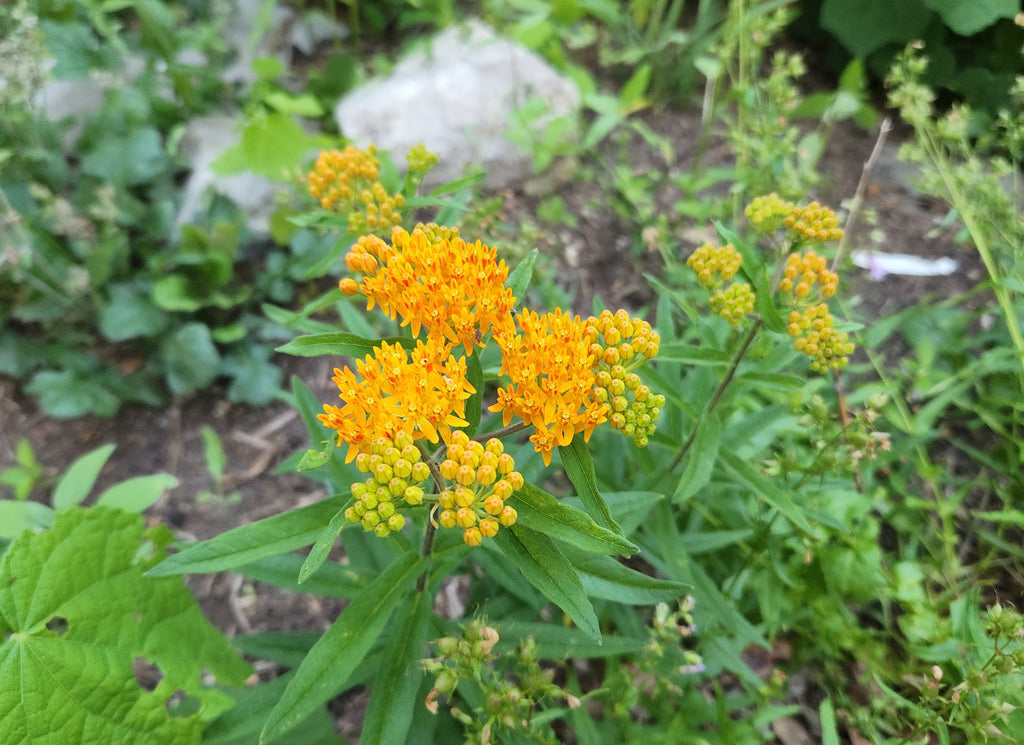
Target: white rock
<point x="457" y="98"/>
<point x="205" y="139"/>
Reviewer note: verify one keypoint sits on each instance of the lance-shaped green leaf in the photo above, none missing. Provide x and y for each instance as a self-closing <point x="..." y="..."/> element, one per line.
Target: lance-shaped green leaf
<point x="78" y="480"/>
<point x="340" y="344"/>
<point x="693" y="355"/>
<point x="762" y="487"/>
<point x="318" y="554"/>
<point x="543" y="513"/>
<point x="282" y="570"/>
<point x="241" y="724"/>
<point x="474" y="404"/>
<point x="579" y="467"/>
<point x="272" y="535"/>
<point x="607" y="578"/>
<point x="395" y="691"/>
<point x="547" y="569"/>
<point x="520" y="276"/>
<point x="137" y="494"/>
<point x="559" y="643"/>
<point x="342" y="647"/>
<point x="700" y="461"/>
<point x="76" y="612"/>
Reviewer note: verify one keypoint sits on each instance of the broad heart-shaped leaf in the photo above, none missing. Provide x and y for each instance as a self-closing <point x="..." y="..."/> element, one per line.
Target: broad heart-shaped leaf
<point x="547" y="569"/>
<point x="395" y="687"/>
<point x="272" y="535"/>
<point x="76" y="611"/>
<point x="968" y="19"/>
<point x="543" y="513"/>
<point x="78" y="480"/>
<point x="342" y="647"/>
<point x="579" y="467"/>
<point x="339" y="344"/>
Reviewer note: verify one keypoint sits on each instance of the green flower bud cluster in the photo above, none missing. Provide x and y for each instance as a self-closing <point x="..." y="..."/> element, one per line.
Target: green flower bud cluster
<point x="715" y="265"/>
<point x="635" y="411"/>
<point x="509" y="687"/>
<point x="621" y="344"/>
<point x="768" y="213"/>
<point x="420" y="161"/>
<point x="813" y="223"/>
<point x="733" y="303"/>
<point x="814" y="335"/>
<point x="396" y="474"/>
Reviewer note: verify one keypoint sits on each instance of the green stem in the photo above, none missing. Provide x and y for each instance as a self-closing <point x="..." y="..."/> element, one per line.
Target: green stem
<point x="729" y="375"/>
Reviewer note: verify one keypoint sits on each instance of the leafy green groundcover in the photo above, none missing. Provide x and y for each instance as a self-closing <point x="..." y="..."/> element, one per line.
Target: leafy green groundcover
<point x="76" y="612"/>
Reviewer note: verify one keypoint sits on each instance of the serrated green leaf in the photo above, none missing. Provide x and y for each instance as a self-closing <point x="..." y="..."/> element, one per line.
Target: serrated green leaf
<point x="130" y="313"/>
<point x="339" y="344"/>
<point x="607" y="578"/>
<point x="542" y="512"/>
<point x="137" y="494"/>
<point x="700" y="461"/>
<point x="579" y="467"/>
<point x="318" y="554"/>
<point x="394" y="695"/>
<point x="765" y="489"/>
<point x="247" y="543"/>
<point x="76" y="483"/>
<point x="80" y="612"/>
<point x="547" y="569"/>
<point x="66" y="394"/>
<point x="271" y="146"/>
<point x="342" y="647"/>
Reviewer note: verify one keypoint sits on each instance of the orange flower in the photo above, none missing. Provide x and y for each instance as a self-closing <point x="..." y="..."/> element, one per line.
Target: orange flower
<point x="550" y="365"/>
<point x="423" y="396"/>
<point x="435" y="280"/>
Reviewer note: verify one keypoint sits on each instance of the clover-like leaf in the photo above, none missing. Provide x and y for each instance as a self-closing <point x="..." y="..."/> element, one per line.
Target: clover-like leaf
<point x="77" y="616"/>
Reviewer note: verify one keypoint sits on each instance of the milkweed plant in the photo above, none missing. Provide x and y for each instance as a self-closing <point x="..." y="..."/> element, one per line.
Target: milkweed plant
<point x="523" y="454"/>
<point x="443" y="447"/>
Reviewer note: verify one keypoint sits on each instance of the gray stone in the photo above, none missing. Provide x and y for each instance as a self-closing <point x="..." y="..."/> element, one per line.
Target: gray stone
<point x="458" y="97"/>
<point x="205" y="139"/>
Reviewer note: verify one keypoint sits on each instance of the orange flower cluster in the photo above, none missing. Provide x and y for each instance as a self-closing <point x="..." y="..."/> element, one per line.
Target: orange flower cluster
<point x="484" y="477"/>
<point x="814" y="224"/>
<point x="803" y="272"/>
<point x="814" y="336"/>
<point x="347" y="181"/>
<point x="550" y="364"/>
<point x="716" y="266"/>
<point x="434" y="279"/>
<point x="420" y="395"/>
